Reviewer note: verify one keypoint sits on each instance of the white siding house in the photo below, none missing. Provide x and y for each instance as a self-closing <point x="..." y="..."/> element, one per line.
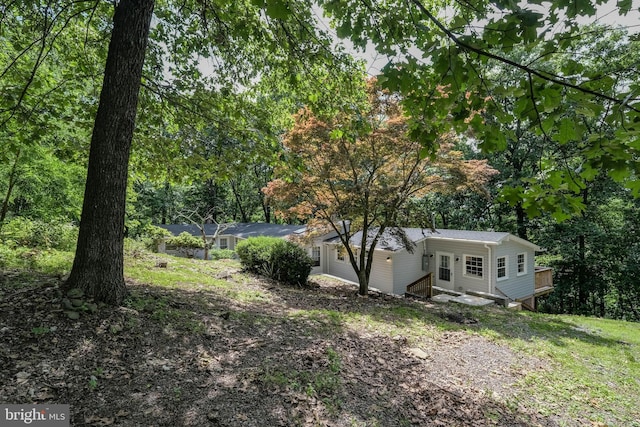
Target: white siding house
<point x="491" y="262"/>
<point x="496" y="263"/>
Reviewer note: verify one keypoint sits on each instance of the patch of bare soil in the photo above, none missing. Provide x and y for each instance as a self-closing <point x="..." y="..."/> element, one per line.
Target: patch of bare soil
<point x="185" y="357"/>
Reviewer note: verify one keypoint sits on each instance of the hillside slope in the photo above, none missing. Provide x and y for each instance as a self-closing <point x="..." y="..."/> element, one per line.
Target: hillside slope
<point x="206" y="344"/>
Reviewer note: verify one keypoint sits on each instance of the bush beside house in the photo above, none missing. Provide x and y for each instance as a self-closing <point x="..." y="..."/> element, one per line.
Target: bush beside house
<point x="216" y="254"/>
<point x="186" y="244"/>
<point x="275" y="258"/>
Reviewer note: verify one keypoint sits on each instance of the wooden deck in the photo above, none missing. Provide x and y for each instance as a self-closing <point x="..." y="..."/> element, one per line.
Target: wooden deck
<point x="544" y="281"/>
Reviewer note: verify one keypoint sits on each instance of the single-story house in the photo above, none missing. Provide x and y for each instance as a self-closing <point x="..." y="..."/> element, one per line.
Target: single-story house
<point x="227" y="236"/>
<point x="496" y="263"/>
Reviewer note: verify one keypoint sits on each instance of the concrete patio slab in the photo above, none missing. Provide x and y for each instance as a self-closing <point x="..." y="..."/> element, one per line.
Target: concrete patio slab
<point x="442" y="298"/>
<point x="472" y="300"/>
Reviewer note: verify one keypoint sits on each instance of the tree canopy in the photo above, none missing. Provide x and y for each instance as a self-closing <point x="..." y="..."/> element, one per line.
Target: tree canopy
<point x="459" y="45"/>
<point x="360" y="166"/>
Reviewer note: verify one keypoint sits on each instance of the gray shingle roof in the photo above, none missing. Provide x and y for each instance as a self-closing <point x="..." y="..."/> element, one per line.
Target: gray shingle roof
<point x="391" y="242"/>
<point x="241" y="230"/>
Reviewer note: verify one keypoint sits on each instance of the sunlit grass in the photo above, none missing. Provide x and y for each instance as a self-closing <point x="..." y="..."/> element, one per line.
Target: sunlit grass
<point x="592" y="367"/>
<point x="44" y="261"/>
<point x="222" y="277"/>
<point x="597" y="369"/>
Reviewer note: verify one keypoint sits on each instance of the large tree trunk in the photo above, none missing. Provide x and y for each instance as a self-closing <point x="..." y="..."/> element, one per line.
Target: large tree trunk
<point x="98" y="265"/>
<point x="12" y="182"/>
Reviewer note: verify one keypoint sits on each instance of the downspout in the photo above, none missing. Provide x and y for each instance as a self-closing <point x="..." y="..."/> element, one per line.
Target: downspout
<point x="491" y="287"/>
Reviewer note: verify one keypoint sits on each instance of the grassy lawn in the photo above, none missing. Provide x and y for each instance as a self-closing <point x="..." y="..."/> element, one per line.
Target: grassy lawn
<point x="594" y="364"/>
<point x="570" y="369"/>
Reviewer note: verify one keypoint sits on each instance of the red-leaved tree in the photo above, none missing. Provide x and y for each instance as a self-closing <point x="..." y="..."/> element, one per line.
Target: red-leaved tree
<point x="361" y="166"/>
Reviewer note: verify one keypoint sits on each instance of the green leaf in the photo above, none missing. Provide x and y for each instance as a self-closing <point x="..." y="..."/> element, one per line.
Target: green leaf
<point x="512" y="195"/>
<point x="551" y="98"/>
<point x="566" y="131"/>
<point x="336" y="134"/>
<point x="560" y="215"/>
<point x="589" y="173"/>
<point x="624" y="6"/>
<point x="278" y="9"/>
<point x="634" y="186"/>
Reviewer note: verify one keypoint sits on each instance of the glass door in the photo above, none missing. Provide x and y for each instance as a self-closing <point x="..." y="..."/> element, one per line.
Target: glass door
<point x="444" y="274"/>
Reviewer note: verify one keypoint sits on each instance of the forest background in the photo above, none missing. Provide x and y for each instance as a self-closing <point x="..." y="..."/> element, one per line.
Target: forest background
<point x="209" y="142"/>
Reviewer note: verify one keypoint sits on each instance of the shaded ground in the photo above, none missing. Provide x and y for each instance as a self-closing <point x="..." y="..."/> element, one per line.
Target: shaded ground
<point x="276" y="356"/>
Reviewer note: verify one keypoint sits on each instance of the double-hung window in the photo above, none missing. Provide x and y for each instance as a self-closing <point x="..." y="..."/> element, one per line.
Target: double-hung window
<point x="522" y="264"/>
<point x="502" y="268"/>
<point x="474" y="266"/>
<point x="224" y="243"/>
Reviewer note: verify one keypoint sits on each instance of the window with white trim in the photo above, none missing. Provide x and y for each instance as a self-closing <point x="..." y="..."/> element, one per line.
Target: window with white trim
<point x="473" y="266"/>
<point x="501" y="268"/>
<point x="224" y="243"/>
<point x="341" y="253"/>
<point x="522" y="264"/>
<point x="315" y="256"/>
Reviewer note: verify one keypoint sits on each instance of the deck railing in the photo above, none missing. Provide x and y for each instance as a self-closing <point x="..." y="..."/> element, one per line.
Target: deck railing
<point x="544" y="280"/>
<point x="421" y="287"/>
<point x="544" y="277"/>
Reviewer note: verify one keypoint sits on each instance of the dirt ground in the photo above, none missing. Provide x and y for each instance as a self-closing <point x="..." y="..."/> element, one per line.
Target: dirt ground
<point x="191" y="357"/>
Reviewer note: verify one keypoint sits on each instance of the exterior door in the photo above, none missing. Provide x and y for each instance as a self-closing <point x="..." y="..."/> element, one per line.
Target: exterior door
<point x="444" y="270"/>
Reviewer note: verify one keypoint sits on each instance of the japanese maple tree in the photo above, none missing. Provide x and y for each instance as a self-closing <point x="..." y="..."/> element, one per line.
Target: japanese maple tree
<point x="361" y="166"/>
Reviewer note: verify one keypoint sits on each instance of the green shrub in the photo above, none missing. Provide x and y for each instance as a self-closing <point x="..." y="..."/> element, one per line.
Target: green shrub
<point x="254" y="253"/>
<point x="53" y="262"/>
<point x="54" y="234"/>
<point x="152" y="235"/>
<point x="292" y="263"/>
<point x="19" y="231"/>
<point x="47" y="261"/>
<point x="7" y="256"/>
<point x="215" y="254"/>
<point x="135" y="248"/>
<point x="275" y="258"/>
<point x="186" y="243"/>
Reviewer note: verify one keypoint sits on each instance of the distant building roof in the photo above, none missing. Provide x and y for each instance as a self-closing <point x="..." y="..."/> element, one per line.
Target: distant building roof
<point x="241" y="230"/>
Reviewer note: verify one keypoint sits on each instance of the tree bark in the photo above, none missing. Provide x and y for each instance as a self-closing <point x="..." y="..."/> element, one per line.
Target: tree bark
<point x="521" y="221"/>
<point x="12" y="182"/>
<point x="236" y="195"/>
<point x="583" y="292"/>
<point x="98" y="264"/>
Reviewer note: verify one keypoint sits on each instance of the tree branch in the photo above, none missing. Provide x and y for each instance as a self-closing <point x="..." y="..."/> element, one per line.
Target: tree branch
<point x="527" y="69"/>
